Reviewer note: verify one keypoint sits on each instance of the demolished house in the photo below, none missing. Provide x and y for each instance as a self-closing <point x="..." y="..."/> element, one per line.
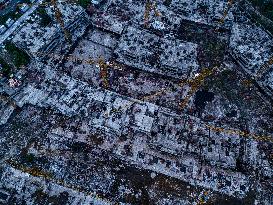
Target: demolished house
<point x="37" y="40"/>
<point x="254" y="53"/>
<point x="144" y="50"/>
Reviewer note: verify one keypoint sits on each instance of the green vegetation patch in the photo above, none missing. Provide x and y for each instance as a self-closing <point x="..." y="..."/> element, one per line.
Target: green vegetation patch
<point x="45" y="18"/>
<point x="264" y="6"/>
<point x="262" y="22"/>
<point x="41" y="197"/>
<point x="226" y="82"/>
<point x="29" y="158"/>
<point x="5" y="68"/>
<point x="84" y="3"/>
<point x="25" y="1"/>
<point x="12" y="14"/>
<point x="19" y="57"/>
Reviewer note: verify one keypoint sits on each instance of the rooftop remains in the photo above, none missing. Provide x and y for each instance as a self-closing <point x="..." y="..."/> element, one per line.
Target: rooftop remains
<point x="69" y="11"/>
<point x="254" y="50"/>
<point x="147" y="51"/>
<point x="179" y="56"/>
<point x="34" y="38"/>
<point x="102" y="38"/>
<point x="203" y="11"/>
<point x="269" y="80"/>
<point x="120" y="14"/>
<point x="133" y="139"/>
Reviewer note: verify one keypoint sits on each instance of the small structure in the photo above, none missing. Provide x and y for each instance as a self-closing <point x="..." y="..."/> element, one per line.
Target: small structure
<point x="24" y="7"/>
<point x="9" y="22"/>
<point x="2" y="29"/>
<point x="96" y="2"/>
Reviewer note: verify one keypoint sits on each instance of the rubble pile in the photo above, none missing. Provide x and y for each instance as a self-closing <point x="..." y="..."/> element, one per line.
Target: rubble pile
<point x="99" y="119"/>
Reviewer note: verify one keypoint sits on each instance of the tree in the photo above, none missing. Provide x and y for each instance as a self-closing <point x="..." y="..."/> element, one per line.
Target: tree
<point x="19" y="57"/>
